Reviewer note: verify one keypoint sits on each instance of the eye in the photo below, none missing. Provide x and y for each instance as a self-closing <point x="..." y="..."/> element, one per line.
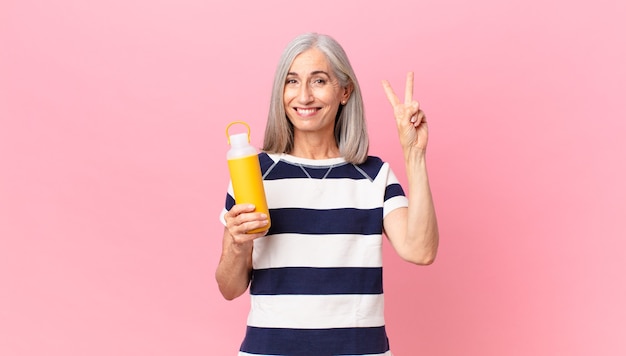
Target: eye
<point x="291" y="81"/>
<point x="318" y="81"/>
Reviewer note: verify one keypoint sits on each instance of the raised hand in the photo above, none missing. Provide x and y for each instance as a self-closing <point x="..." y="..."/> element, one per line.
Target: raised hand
<point x="410" y="119"/>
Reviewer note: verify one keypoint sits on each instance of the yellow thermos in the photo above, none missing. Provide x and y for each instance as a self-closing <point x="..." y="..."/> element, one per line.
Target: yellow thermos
<point x="245" y="172"/>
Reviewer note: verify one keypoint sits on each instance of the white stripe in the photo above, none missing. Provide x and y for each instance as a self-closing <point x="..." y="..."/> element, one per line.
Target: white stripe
<point x="388" y="353"/>
<point x="323" y="194"/>
<point x="394" y="203"/>
<point x="306" y="161"/>
<point x="294" y="250"/>
<point x="389" y="177"/>
<point x="317" y="311"/>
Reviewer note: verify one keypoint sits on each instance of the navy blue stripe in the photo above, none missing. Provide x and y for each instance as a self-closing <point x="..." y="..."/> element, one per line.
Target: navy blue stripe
<point x="393" y="190"/>
<point x="287" y="170"/>
<point x="265" y="161"/>
<point x="331" y="221"/>
<point x="230" y="201"/>
<point x="317" y="281"/>
<point x="345" y="171"/>
<point x="315" y="342"/>
<point x="372" y="166"/>
<point x="284" y="170"/>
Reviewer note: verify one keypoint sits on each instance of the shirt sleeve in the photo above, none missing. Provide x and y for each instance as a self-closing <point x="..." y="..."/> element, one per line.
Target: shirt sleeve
<point x="394" y="194"/>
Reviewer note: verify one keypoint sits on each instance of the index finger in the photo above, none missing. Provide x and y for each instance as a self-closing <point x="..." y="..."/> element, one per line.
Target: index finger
<point x="408" y="90"/>
<point x="238" y="209"/>
<point x="391" y="96"/>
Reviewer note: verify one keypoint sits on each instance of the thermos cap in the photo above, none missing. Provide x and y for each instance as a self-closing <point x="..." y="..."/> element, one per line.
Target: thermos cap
<point x="241" y="139"/>
<point x="238" y="140"/>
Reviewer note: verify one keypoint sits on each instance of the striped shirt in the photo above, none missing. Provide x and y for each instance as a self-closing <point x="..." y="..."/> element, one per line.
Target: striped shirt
<point x="316" y="285"/>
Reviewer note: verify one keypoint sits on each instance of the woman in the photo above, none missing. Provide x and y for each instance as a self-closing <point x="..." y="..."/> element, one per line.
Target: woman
<point x="316" y="276"/>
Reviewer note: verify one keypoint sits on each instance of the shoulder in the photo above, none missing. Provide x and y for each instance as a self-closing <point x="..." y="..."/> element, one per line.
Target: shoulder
<point x="267" y="161"/>
<point x="372" y="166"/>
<point x="265" y="158"/>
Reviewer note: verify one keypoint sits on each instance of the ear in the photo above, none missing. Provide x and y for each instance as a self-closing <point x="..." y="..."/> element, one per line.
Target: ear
<point x="347" y="91"/>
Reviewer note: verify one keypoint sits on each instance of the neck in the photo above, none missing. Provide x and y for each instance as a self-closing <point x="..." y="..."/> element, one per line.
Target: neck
<point x="312" y="148"/>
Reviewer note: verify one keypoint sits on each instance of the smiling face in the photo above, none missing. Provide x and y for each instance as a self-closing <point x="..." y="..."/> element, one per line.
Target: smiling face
<point x="313" y="94"/>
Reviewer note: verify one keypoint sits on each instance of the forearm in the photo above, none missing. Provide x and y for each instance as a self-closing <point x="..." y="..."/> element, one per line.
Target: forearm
<point x="422" y="234"/>
<point x="233" y="271"/>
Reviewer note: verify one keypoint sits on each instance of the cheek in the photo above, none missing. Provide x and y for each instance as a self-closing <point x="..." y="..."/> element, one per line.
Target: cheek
<point x="329" y="97"/>
<point x="288" y="95"/>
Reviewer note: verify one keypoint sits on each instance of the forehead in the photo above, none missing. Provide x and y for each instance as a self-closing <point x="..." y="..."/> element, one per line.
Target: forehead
<point x="311" y="60"/>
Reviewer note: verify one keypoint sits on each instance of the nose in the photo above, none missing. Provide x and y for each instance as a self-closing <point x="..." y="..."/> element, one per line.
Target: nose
<point x="305" y="95"/>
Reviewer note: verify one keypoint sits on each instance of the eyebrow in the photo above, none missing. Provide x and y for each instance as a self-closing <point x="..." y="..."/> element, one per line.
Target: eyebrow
<point x="316" y="72"/>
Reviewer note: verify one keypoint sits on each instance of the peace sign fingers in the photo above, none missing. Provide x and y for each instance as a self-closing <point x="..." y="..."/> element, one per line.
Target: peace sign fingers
<point x="410" y="119"/>
<point x="402" y="111"/>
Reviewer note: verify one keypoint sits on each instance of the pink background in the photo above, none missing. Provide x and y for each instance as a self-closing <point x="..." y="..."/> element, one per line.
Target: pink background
<point x="112" y="144"/>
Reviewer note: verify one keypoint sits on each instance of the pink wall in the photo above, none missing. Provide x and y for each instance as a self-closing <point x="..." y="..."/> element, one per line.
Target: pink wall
<point x="112" y="144"/>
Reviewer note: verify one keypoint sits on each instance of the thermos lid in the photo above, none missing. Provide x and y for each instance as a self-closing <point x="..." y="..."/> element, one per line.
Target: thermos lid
<point x="238" y="140"/>
<point x="241" y="139"/>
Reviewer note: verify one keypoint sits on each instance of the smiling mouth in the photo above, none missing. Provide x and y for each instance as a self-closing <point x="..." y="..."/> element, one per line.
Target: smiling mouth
<point x="306" y="111"/>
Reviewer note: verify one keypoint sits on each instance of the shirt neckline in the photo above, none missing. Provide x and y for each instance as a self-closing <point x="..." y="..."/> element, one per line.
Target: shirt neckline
<point x="312" y="162"/>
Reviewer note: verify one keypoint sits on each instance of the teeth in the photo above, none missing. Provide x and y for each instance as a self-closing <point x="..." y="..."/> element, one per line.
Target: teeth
<point x="306" y="111"/>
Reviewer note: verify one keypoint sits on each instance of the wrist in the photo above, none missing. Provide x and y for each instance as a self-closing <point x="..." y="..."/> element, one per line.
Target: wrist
<point x="414" y="156"/>
<point x="241" y="249"/>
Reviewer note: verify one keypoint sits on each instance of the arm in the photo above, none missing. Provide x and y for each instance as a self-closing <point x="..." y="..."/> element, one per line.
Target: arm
<point x="235" y="265"/>
<point x="413" y="231"/>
